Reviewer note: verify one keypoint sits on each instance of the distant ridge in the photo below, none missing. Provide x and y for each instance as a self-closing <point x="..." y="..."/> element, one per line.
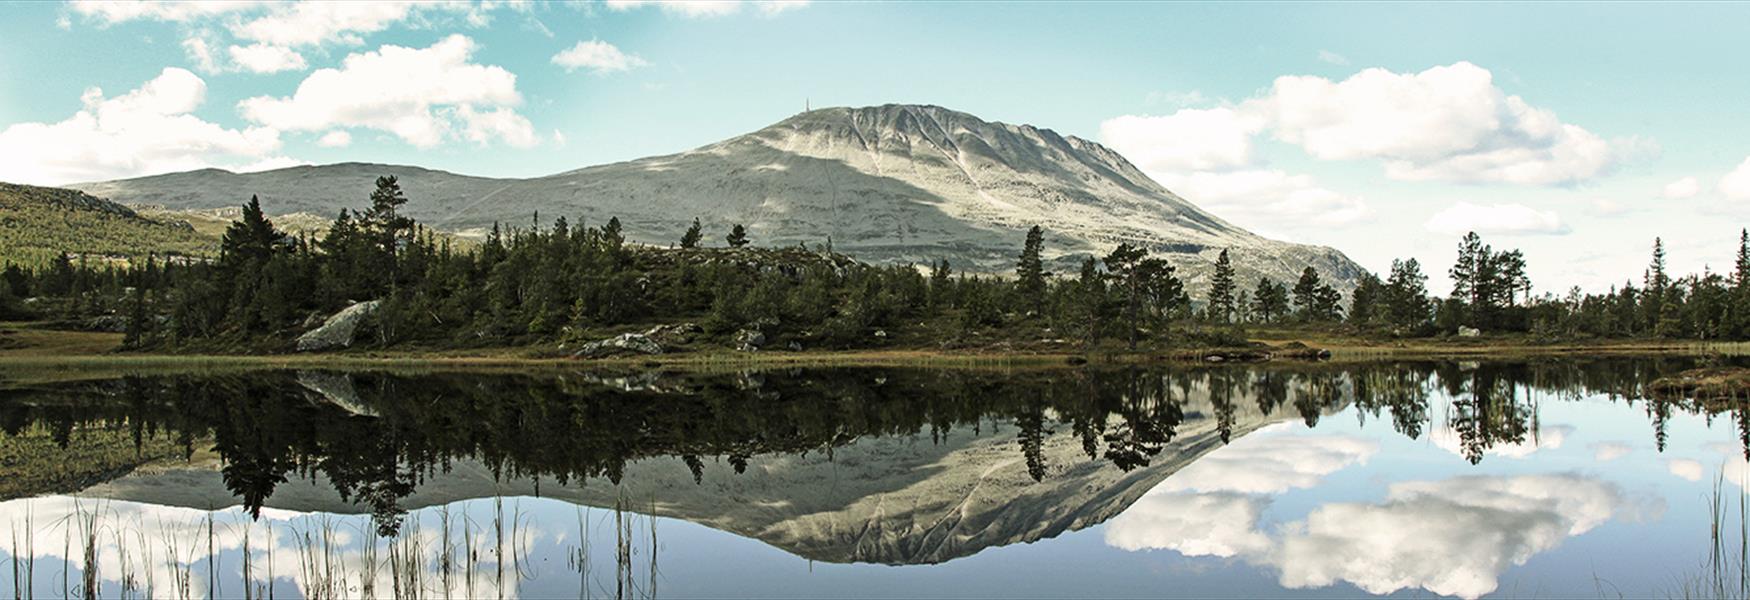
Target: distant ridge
<point x="888" y="184"/>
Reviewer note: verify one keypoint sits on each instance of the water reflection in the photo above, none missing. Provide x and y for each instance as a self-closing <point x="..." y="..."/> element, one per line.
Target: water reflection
<point x="894" y="466"/>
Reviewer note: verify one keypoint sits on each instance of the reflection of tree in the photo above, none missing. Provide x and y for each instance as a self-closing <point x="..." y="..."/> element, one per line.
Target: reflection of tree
<point x="1031" y="436"/>
<point x="268" y="428"/>
<point x="1488" y="412"/>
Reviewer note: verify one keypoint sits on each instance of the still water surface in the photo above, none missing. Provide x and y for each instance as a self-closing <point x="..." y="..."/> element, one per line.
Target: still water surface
<point x="1557" y="478"/>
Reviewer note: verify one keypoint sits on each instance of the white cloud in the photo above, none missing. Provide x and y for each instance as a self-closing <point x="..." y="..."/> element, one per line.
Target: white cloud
<point x="1188" y="140"/>
<point x="709" y="8"/>
<point x="117" y="11"/>
<point x="422" y="95"/>
<point x="1609" y="451"/>
<point x="262" y="58"/>
<point x="1496" y="218"/>
<point x="145" y="131"/>
<point x="1267" y="199"/>
<point x="1221" y="525"/>
<point x="597" y="56"/>
<point x="313" y="23"/>
<point x="1451" y="537"/>
<point x="1736" y="185"/>
<point x="1686" y="187"/>
<point x="201" y="53"/>
<point x="481" y="127"/>
<point x="1448" y="123"/>
<point x="1685" y="468"/>
<point x="335" y="139"/>
<point x="1327" y="56"/>
<point x="1272" y="465"/>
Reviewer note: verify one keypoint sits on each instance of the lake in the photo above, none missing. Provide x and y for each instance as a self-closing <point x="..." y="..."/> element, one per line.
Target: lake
<point x="1559" y="477"/>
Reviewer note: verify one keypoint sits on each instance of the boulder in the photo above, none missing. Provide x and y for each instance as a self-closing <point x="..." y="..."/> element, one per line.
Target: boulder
<point x="108" y="323"/>
<point x="1469" y="332"/>
<point x="749" y="340"/>
<point x="625" y="343"/>
<point x="338" y="330"/>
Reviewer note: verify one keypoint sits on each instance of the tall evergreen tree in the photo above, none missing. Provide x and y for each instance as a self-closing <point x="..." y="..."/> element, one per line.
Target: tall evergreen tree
<point x="1406" y="296"/>
<point x="1306" y="293"/>
<point x="737" y="236"/>
<point x="1091" y="300"/>
<point x="1030" y="271"/>
<point x="1221" y="290"/>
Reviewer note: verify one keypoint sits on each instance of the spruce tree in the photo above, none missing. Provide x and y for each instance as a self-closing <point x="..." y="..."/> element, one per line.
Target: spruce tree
<point x="691" y="238"/>
<point x="1030" y="271"/>
<point x="737" y="236"/>
<point x="1221" y="290"/>
<point x="1091" y="296"/>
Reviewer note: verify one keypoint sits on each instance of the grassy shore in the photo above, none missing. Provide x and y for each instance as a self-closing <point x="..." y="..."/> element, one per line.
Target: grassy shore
<point x="45" y="351"/>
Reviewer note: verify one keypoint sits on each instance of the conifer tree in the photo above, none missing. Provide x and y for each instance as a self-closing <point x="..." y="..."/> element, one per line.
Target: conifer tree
<point x="1221" y="290"/>
<point x="691" y="238"/>
<point x="1269" y="301"/>
<point x="1030" y="271"/>
<point x="1091" y="298"/>
<point x="737" y="236"/>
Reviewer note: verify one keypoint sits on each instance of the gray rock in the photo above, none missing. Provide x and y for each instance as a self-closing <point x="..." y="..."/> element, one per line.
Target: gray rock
<point x="794" y="346"/>
<point x="625" y="343"/>
<point x="881" y="333"/>
<point x="338" y="330"/>
<point x="749" y="340"/>
<point x="108" y="323"/>
<point x="1469" y="332"/>
<point x="675" y="333"/>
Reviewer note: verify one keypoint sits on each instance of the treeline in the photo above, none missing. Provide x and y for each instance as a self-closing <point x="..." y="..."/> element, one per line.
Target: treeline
<point x="564" y="282"/>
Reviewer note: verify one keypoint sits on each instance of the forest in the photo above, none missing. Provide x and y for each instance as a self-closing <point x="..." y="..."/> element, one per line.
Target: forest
<point x="563" y="283"/>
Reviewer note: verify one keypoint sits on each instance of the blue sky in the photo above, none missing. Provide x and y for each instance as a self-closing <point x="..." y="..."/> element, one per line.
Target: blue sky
<point x="1574" y="131"/>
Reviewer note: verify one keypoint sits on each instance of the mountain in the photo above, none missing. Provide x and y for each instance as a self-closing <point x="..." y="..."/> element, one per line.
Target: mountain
<point x="37" y="224"/>
<point x="892" y="183"/>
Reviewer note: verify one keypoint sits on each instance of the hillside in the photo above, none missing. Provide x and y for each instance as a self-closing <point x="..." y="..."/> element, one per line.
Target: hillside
<point x="38" y="223"/>
<point x="887" y="184"/>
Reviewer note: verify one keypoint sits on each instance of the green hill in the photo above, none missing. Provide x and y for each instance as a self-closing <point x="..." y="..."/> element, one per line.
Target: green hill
<point x="39" y="223"/>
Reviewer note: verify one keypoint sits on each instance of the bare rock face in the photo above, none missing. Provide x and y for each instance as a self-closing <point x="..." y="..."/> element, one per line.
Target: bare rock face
<point x="338" y="330"/>
<point x="625" y="343"/>
<point x="887" y="184"/>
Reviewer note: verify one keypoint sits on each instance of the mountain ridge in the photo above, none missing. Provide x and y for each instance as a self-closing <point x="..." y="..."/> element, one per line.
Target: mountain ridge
<point x="896" y="183"/>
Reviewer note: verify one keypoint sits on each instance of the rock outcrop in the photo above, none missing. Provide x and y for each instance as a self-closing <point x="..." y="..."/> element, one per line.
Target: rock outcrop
<point x="338" y="331"/>
<point x="619" y="345"/>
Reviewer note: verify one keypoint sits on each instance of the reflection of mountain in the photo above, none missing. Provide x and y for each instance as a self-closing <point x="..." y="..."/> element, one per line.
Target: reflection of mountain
<point x="897" y="500"/>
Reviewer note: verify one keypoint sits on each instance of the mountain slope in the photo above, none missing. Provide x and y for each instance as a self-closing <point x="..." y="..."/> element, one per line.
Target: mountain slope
<point x="893" y="183"/>
<point x="37" y="224"/>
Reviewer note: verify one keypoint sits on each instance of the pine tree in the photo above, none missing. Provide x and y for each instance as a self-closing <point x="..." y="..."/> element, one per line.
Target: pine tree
<point x="1366" y="303"/>
<point x="1221" y="290"/>
<point x="1269" y="301"/>
<point x="1138" y="277"/>
<point x="1030" y="271"/>
<point x="1306" y="293"/>
<point x="1406" y="296"/>
<point x="691" y="238"/>
<point x="737" y="236"/>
